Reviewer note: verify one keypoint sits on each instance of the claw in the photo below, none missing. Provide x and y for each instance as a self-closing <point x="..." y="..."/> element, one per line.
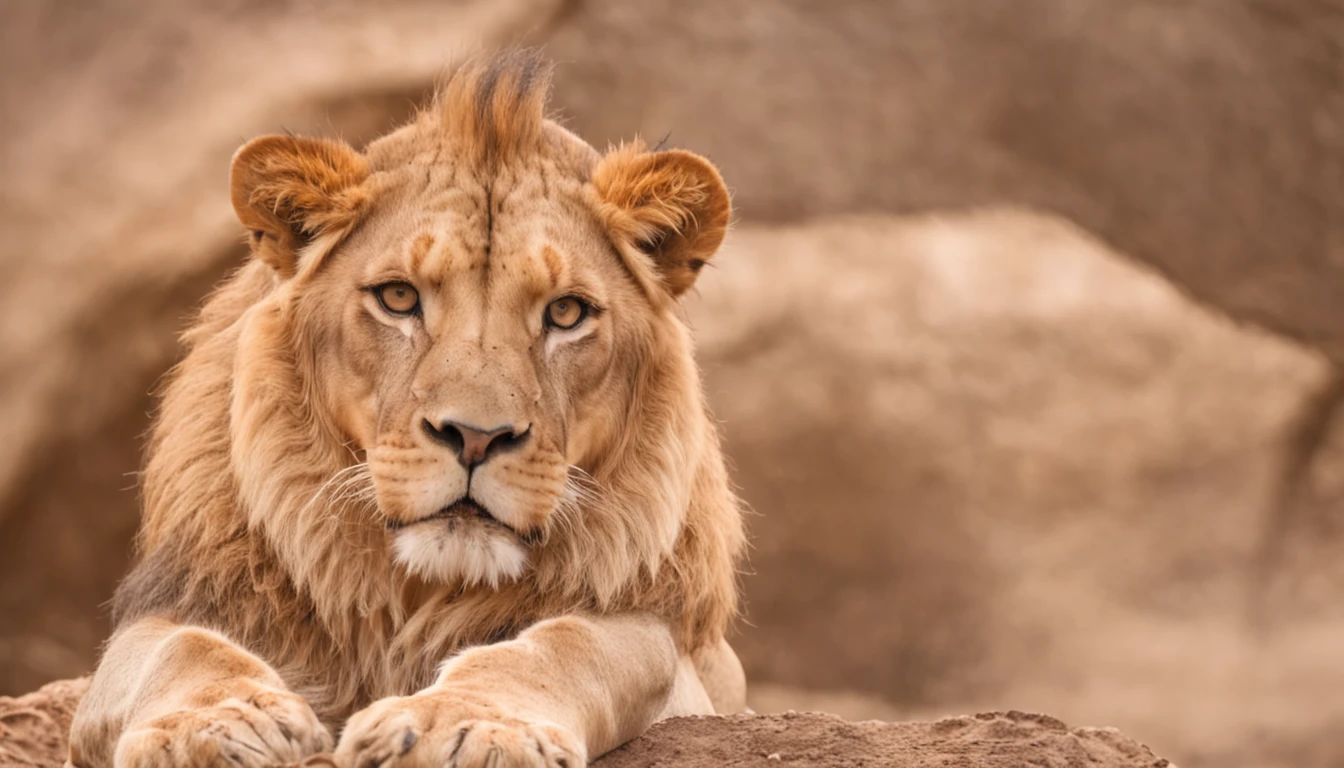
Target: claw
<point x="457" y="745"/>
<point x="408" y="741"/>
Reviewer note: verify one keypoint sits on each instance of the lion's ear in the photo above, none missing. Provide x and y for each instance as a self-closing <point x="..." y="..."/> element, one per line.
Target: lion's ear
<point x="288" y="190"/>
<point x="672" y="206"/>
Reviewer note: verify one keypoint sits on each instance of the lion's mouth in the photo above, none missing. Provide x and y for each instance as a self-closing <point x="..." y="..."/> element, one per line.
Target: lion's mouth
<point x="463" y="509"/>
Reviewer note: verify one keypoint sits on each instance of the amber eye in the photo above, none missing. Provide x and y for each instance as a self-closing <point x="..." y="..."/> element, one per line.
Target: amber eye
<point x="398" y="298"/>
<point x="565" y="312"/>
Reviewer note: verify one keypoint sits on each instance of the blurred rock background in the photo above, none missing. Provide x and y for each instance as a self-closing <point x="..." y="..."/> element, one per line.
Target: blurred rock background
<point x="1028" y="311"/>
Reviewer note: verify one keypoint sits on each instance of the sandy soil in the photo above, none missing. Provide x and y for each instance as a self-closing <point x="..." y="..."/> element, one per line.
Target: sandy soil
<point x="32" y="733"/>
<point x="989" y="740"/>
<point x="34" y="727"/>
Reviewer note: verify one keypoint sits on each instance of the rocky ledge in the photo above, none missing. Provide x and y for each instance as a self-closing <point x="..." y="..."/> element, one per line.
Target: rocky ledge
<point x="33" y="728"/>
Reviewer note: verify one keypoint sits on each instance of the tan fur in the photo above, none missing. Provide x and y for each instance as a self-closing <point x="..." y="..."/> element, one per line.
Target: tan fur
<point x="672" y="205"/>
<point x="286" y="190"/>
<point x="291" y="484"/>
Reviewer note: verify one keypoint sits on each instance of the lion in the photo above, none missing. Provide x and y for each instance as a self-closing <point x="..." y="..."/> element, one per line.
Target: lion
<point x="436" y="475"/>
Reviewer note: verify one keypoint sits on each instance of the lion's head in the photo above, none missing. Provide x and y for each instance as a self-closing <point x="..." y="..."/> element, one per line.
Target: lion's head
<point x="455" y="361"/>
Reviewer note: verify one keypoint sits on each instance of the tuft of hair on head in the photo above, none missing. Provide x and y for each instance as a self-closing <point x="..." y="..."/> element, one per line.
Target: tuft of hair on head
<point x="493" y="108"/>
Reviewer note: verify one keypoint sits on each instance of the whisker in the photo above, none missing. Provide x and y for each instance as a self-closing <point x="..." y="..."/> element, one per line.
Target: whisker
<point x="353" y="483"/>
<point x="581" y="492"/>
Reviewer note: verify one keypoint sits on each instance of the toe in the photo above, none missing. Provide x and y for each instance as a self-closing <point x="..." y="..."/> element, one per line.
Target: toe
<point x="558" y="749"/>
<point x="381" y="738"/>
<point x="491" y="745"/>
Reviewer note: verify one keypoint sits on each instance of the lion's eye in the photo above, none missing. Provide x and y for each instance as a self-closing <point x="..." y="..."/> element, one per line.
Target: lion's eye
<point x="398" y="298"/>
<point x="566" y="312"/>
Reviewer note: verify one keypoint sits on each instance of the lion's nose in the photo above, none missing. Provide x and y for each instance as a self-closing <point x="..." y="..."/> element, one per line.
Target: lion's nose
<point x="474" y="445"/>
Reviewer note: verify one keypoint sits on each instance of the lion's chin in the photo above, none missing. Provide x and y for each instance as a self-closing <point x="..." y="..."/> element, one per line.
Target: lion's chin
<point x="447" y="551"/>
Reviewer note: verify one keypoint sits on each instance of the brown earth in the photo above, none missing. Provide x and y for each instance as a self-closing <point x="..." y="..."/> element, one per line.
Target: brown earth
<point x="988" y="740"/>
<point x="33" y="733"/>
<point x="34" y="728"/>
<point x="995" y="464"/>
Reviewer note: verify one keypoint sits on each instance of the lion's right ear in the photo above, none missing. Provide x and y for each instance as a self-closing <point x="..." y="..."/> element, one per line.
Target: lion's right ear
<point x="288" y="190"/>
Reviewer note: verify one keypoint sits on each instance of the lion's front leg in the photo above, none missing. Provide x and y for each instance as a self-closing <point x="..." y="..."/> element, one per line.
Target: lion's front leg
<point x="566" y="690"/>
<point x="452" y="727"/>
<point x="186" y="697"/>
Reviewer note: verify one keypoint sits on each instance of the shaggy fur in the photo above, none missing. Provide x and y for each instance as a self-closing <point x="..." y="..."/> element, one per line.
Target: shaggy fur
<point x="271" y="480"/>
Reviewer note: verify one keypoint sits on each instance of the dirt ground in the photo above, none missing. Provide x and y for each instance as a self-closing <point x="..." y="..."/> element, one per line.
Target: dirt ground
<point x="32" y="735"/>
<point x="996" y="461"/>
<point x="34" y="727"/>
<point x="989" y="740"/>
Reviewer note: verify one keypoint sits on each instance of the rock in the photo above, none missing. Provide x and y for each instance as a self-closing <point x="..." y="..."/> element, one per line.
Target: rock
<point x="914" y="404"/>
<point x="34" y="728"/>
<point x="33" y="733"/>
<point x="1203" y="138"/>
<point x="818" y="740"/>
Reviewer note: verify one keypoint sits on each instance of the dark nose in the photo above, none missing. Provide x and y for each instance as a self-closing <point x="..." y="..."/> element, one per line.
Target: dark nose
<point x="474" y="445"/>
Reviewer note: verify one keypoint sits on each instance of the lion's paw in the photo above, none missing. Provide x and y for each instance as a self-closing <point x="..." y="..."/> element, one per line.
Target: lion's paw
<point x="268" y="727"/>
<point x="436" y="729"/>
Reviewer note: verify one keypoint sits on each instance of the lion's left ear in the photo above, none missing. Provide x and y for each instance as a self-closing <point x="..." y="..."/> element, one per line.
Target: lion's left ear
<point x="288" y="190"/>
<point x="672" y="205"/>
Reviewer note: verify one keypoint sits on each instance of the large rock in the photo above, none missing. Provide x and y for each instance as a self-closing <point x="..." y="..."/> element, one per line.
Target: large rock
<point x="1203" y="137"/>
<point x="35" y="727"/>
<point x="995" y="464"/>
<point x="33" y="733"/>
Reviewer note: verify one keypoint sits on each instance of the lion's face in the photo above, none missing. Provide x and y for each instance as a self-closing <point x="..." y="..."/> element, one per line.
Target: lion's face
<point x="477" y="358"/>
<point x="479" y="307"/>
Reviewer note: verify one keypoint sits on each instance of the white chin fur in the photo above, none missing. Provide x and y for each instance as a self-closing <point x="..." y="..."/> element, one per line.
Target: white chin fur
<point x="438" y="551"/>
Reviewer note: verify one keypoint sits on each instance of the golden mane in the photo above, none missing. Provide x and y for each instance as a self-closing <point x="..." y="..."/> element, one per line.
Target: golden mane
<point x="252" y="525"/>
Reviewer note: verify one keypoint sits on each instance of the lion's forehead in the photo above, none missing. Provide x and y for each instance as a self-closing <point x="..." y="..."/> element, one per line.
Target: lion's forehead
<point x="522" y="231"/>
<point x="526" y="259"/>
